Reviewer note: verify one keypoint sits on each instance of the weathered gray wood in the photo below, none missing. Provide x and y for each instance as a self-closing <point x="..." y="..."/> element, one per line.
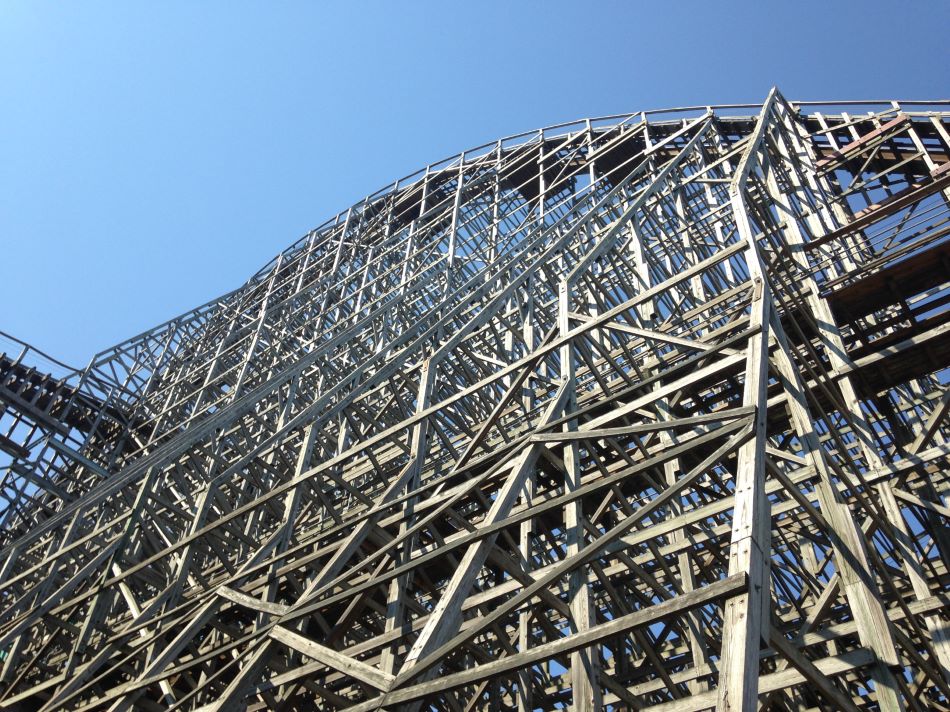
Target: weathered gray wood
<point x="712" y="593"/>
<point x="478" y="419"/>
<point x="336" y="660"/>
<point x="746" y="618"/>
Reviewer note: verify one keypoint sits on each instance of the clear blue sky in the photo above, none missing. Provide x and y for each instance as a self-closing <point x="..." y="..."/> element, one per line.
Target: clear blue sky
<point x="155" y="155"/>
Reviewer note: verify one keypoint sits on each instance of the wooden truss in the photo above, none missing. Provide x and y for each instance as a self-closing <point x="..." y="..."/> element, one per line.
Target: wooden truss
<point x="642" y="412"/>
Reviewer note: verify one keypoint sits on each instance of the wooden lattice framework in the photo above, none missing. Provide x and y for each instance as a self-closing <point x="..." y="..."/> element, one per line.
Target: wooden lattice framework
<point x="637" y="412"/>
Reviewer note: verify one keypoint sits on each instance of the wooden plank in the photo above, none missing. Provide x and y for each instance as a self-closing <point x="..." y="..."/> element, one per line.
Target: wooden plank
<point x="332" y="658"/>
<point x="256" y="604"/>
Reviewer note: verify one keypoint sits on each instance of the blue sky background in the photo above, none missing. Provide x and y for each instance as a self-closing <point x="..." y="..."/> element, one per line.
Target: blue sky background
<point x="155" y="155"/>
